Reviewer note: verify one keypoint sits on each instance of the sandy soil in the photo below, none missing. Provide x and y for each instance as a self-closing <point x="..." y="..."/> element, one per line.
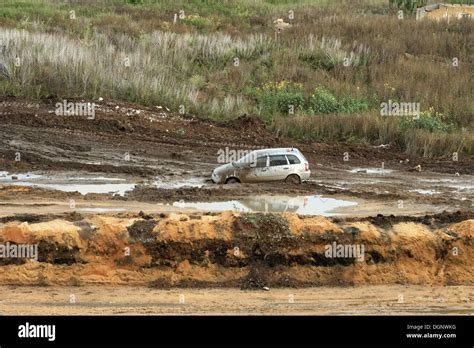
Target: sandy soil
<point x="451" y="12"/>
<point x="248" y="251"/>
<point x="126" y="300"/>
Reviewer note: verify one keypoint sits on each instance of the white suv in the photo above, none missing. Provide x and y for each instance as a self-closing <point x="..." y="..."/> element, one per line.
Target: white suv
<point x="286" y="164"/>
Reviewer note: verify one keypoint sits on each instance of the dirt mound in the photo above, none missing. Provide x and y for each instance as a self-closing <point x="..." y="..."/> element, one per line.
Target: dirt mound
<point x="141" y="230"/>
<point x="435" y="219"/>
<point x="248" y="124"/>
<point x="240" y="250"/>
<point x="257" y="278"/>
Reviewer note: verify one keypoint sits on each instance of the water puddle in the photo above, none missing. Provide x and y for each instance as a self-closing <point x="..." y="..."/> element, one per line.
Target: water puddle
<point x="465" y="183"/>
<point x="69" y="183"/>
<point x="371" y="171"/>
<point x="425" y="192"/>
<point x="118" y="189"/>
<point x="190" y="182"/>
<point x="102" y="210"/>
<point x="5" y="176"/>
<point x="84" y="184"/>
<point x="98" y="178"/>
<point x="305" y="205"/>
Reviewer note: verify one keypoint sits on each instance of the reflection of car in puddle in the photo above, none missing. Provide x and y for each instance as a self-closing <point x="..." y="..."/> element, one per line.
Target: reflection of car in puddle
<point x="275" y="204"/>
<point x="305" y="205"/>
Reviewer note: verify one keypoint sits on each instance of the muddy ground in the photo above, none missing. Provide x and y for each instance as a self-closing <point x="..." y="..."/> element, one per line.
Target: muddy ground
<point x="163" y="144"/>
<point x="148" y="145"/>
<point x="364" y="300"/>
<point x="409" y="222"/>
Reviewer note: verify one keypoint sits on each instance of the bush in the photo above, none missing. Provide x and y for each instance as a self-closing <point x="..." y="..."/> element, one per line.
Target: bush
<point x="430" y="121"/>
<point x="324" y="102"/>
<point x="353" y="105"/>
<point x="197" y="81"/>
<point x="198" y="21"/>
<point x="370" y="128"/>
<point x="408" y="5"/>
<point x="319" y="60"/>
<point x="280" y="97"/>
<point x="462" y="2"/>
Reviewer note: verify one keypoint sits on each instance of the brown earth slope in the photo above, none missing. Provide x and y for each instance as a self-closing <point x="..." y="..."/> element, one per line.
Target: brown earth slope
<point x="239" y="250"/>
<point x="159" y="141"/>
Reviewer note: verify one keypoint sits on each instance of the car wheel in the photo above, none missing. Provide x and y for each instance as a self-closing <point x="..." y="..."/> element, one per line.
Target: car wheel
<point x="232" y="181"/>
<point x="293" y="179"/>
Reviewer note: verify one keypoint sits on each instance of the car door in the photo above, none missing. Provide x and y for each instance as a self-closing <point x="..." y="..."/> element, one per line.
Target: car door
<point x="278" y="167"/>
<point x="259" y="170"/>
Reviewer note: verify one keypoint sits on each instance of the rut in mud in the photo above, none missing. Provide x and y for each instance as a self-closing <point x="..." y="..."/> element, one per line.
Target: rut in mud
<point x="240" y="250"/>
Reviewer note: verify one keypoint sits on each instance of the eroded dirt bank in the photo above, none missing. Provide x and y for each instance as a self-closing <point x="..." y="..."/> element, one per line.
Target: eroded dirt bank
<point x="238" y="250"/>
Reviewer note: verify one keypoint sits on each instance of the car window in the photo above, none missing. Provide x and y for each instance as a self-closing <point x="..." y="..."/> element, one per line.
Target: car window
<point x="298" y="152"/>
<point x="293" y="159"/>
<point x="261" y="162"/>
<point x="278" y="160"/>
<point x="247" y="159"/>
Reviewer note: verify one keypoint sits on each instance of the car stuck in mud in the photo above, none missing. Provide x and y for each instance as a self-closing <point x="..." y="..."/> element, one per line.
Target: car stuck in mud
<point x="276" y="164"/>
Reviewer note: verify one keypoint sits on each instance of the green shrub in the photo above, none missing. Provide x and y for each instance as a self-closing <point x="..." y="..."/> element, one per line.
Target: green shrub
<point x="280" y="97"/>
<point x="462" y="2"/>
<point x="324" y="102"/>
<point x="319" y="60"/>
<point x="134" y="2"/>
<point x="353" y="105"/>
<point x="408" y="5"/>
<point x="430" y="121"/>
<point x="197" y="81"/>
<point x="198" y="21"/>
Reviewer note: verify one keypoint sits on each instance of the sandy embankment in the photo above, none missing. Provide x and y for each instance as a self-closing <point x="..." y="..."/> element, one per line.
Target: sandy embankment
<point x="244" y="251"/>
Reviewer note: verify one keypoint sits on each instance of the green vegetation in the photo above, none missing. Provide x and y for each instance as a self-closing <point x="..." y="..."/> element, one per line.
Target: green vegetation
<point x="428" y="120"/>
<point x="462" y="2"/>
<point x="321" y="79"/>
<point x="323" y="101"/>
<point x="279" y="98"/>
<point x="408" y="5"/>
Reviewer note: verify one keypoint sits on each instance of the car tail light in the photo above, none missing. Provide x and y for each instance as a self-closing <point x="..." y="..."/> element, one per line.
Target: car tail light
<point x="306" y="166"/>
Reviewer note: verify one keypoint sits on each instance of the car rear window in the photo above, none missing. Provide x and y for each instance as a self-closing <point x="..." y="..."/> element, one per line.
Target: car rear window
<point x="301" y="155"/>
<point x="278" y="160"/>
<point x="293" y="159"/>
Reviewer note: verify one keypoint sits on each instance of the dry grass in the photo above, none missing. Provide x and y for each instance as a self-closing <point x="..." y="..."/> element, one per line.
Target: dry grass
<point x="371" y="128"/>
<point x="193" y="62"/>
<point x="150" y="70"/>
